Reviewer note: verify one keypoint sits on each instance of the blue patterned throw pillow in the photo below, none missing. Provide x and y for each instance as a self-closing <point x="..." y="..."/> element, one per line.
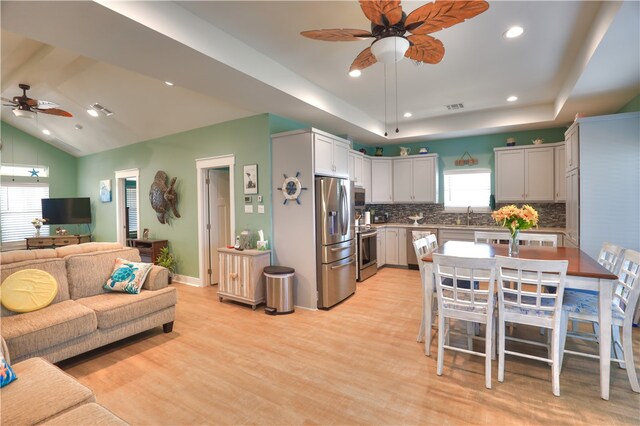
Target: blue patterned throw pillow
<point x="7" y="374"/>
<point x="127" y="276"/>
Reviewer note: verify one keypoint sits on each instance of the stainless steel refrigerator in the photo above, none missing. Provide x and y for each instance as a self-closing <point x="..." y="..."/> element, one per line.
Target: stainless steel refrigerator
<point x="335" y="241"/>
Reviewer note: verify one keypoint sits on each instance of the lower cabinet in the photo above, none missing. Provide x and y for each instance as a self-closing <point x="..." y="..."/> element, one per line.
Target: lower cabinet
<point x="381" y="248"/>
<point x="395" y="246"/>
<point x="241" y="277"/>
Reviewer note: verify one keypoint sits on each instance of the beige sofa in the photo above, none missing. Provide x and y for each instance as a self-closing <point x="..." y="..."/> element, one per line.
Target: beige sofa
<point x="44" y="394"/>
<point x="83" y="316"/>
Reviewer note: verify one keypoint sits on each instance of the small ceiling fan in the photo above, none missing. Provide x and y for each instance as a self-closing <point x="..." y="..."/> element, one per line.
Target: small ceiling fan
<point x="24" y="106"/>
<point x="389" y="25"/>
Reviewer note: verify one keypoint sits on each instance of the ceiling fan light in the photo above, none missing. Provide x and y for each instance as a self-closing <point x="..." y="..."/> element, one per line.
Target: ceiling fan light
<point x="355" y="73"/>
<point x="389" y="50"/>
<point x="23" y="113"/>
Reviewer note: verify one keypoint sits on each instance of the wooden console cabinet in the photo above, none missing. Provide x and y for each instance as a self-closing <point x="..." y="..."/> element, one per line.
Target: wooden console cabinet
<point x="56" y="241"/>
<point x="241" y="277"/>
<point x="149" y="249"/>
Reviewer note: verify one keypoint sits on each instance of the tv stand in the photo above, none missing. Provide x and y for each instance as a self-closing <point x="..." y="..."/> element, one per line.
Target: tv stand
<point x="56" y="241"/>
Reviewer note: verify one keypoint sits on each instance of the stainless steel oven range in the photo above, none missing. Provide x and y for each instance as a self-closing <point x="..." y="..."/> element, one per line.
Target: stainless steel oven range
<point x="367" y="252"/>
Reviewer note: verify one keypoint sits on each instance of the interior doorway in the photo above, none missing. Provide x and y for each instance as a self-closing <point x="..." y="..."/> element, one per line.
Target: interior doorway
<point x="216" y="212"/>
<point x="127" y="205"/>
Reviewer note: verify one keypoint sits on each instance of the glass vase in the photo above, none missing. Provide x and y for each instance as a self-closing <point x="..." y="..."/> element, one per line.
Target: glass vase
<point x="37" y="232"/>
<point x="514" y="243"/>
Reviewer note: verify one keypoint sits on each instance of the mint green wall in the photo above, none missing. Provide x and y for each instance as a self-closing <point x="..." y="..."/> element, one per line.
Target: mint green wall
<point x="480" y="147"/>
<point x="632" y="106"/>
<point x="248" y="139"/>
<point x="21" y="148"/>
<point x="279" y="124"/>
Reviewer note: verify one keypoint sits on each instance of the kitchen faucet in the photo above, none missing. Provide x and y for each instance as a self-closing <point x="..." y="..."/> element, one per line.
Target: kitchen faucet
<point x="469" y="211"/>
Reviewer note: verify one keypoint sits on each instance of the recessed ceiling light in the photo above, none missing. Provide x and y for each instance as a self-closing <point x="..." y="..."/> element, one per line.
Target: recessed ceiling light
<point x="78" y="127"/>
<point x="168" y="83"/>
<point x="92" y="112"/>
<point x="355" y="73"/>
<point x="512" y="98"/>
<point x="407" y="114"/>
<point x="46" y="132"/>
<point x="514" y="32"/>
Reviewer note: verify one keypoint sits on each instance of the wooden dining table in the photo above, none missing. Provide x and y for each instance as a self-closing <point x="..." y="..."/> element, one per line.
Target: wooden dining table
<point x="583" y="272"/>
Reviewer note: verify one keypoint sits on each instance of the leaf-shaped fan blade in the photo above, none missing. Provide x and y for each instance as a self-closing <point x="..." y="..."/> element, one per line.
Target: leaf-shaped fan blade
<point x="55" y="111"/>
<point x="363" y="60"/>
<point x="435" y="16"/>
<point x="337" y="35"/>
<point x="425" y="48"/>
<point x="382" y="12"/>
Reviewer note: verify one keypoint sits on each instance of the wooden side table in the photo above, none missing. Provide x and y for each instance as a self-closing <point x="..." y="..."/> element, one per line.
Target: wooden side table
<point x="149" y="249"/>
<point x="241" y="277"/>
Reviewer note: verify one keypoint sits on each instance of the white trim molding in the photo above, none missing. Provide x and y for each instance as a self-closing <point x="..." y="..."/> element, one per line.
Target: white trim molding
<point x="121" y="175"/>
<point x="202" y="165"/>
<point x="185" y="279"/>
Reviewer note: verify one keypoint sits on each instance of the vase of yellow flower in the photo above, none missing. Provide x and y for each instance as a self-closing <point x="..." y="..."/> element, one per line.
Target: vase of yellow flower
<point x="515" y="219"/>
<point x="37" y="223"/>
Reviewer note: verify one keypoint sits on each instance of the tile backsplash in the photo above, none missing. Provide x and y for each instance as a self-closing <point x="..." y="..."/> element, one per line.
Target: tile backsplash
<point x="551" y="215"/>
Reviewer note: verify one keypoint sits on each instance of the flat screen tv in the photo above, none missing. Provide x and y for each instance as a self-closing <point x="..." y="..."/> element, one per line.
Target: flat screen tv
<point x="66" y="211"/>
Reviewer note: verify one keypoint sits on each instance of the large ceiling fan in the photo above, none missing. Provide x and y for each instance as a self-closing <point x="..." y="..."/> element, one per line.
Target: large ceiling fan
<point x="24" y="106"/>
<point x="389" y="26"/>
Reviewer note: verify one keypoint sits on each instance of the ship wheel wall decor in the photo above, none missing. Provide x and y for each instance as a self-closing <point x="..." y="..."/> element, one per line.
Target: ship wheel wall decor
<point x="291" y="188"/>
<point x="389" y="20"/>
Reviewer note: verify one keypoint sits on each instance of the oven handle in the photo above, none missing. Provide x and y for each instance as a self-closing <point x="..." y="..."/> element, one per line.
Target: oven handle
<point x="368" y="234"/>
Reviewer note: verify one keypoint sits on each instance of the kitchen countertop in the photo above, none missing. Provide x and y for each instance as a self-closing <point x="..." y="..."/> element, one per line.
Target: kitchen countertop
<point x="469" y="227"/>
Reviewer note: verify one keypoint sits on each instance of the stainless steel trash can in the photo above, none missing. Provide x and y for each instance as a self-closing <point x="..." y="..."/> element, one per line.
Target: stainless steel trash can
<point x="279" y="290"/>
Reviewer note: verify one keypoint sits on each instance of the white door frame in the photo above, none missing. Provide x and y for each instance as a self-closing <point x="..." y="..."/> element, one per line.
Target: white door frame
<point x="202" y="164"/>
<point x="121" y="175"/>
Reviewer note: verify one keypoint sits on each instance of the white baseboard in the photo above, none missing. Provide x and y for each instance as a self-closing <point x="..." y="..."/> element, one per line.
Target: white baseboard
<point x="185" y="279"/>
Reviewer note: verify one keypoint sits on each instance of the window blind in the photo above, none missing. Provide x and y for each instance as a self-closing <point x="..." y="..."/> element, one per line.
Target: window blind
<point x="19" y="205"/>
<point x="132" y="206"/>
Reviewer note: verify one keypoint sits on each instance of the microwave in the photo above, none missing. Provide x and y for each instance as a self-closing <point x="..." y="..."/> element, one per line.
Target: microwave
<point x="358" y="198"/>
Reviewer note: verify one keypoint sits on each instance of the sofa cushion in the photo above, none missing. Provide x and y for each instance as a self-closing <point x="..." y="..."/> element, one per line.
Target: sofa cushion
<point x="41" y="391"/>
<point x="86" y="414"/>
<point x="16" y="256"/>
<point x="113" y="309"/>
<point x="127" y="276"/>
<point x="55" y="267"/>
<point x="87" y="272"/>
<point x="28" y="290"/>
<point x="33" y="331"/>
<point x="86" y="248"/>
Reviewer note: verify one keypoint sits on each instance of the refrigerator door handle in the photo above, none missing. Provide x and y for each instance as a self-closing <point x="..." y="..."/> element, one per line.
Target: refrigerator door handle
<point x="343" y="265"/>
<point x="344" y="211"/>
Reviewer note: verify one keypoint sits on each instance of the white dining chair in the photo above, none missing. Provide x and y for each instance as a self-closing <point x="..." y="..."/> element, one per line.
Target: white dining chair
<point x="423" y="246"/>
<point x="489" y="237"/>
<point x="459" y="300"/>
<point x="584" y="306"/>
<point x="525" y="302"/>
<point x="529" y="239"/>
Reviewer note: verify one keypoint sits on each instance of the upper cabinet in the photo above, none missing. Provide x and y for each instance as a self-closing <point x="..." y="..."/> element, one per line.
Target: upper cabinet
<point x="415" y="179"/>
<point x="366" y="178"/>
<point x="356" y="168"/>
<point x="331" y="155"/>
<point x="381" y="180"/>
<point x="526" y="173"/>
<point x="572" y="154"/>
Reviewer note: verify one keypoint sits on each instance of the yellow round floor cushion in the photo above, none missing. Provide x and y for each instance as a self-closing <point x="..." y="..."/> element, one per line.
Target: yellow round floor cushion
<point x="28" y="290"/>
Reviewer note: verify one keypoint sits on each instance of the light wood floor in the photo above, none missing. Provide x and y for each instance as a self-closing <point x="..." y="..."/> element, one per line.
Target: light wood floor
<point x="358" y="363"/>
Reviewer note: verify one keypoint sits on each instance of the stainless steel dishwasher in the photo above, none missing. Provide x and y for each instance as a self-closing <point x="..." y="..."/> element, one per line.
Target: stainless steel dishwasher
<point x="412" y="260"/>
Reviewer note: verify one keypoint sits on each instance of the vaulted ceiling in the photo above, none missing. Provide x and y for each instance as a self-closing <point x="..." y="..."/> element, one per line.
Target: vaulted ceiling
<point x="233" y="59"/>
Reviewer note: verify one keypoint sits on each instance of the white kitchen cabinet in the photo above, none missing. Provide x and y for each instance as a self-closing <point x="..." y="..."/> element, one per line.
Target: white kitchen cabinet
<point x="391" y="246"/>
<point x="560" y="194"/>
<point x="402" y="246"/>
<point x="241" y="277"/>
<point x="572" y="155"/>
<point x="355" y="168"/>
<point x="381" y="181"/>
<point x="331" y="156"/>
<point x="366" y="178"/>
<point x="415" y="180"/>
<point x="381" y="249"/>
<point x="525" y="174"/>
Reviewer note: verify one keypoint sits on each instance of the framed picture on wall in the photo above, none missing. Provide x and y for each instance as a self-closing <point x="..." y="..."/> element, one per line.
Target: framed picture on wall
<point x="105" y="191"/>
<point x="251" y="179"/>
